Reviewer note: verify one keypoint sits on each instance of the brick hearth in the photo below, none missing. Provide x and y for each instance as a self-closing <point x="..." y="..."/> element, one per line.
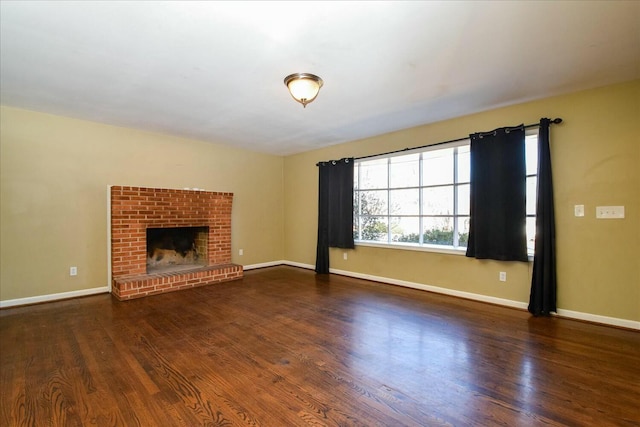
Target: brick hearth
<point x="134" y="209"/>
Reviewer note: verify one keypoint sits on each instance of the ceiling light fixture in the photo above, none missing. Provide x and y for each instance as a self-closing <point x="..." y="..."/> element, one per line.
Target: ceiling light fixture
<point x="304" y="87"/>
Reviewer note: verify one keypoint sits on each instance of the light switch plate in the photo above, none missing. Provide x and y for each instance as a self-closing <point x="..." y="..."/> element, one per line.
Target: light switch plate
<point x="578" y="210"/>
<point x="610" y="212"/>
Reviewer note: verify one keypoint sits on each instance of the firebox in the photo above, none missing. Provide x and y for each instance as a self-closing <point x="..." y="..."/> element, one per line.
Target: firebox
<point x="176" y="248"/>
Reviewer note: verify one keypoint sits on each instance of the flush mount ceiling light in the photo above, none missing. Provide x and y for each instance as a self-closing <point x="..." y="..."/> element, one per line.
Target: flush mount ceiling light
<point x="304" y="87"/>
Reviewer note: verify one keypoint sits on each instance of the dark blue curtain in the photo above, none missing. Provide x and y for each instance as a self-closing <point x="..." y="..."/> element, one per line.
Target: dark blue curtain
<point x="498" y="216"/>
<point x="335" y="209"/>
<point x="542" y="300"/>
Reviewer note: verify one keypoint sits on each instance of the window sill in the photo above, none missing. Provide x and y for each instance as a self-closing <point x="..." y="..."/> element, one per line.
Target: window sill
<point x="409" y="247"/>
<point x="424" y="248"/>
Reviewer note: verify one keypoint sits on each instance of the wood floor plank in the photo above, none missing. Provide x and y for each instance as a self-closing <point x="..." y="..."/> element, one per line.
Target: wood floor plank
<point x="286" y="347"/>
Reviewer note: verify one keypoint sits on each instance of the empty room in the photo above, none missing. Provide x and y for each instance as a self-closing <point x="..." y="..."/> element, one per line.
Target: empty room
<point x="385" y="213"/>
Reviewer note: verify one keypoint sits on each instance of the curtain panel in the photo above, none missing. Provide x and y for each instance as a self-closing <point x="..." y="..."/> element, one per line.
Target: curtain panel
<point x="497" y="228"/>
<point x="542" y="300"/>
<point x="335" y="209"/>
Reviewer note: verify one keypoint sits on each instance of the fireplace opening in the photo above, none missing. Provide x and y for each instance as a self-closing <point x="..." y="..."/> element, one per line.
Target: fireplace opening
<point x="176" y="249"/>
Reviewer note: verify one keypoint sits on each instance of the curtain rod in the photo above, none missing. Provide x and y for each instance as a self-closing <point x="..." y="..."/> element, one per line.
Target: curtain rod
<point x="532" y="125"/>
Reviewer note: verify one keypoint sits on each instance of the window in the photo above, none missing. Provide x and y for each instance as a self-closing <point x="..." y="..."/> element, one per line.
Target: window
<point x="421" y="198"/>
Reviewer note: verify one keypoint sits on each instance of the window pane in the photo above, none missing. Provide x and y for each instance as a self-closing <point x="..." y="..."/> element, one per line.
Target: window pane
<point x="373" y="174"/>
<point x="531" y="153"/>
<point x="437" y="201"/>
<point x="463" y="231"/>
<point x="356" y="166"/>
<point x="531" y="234"/>
<point x="404" y="170"/>
<point x="437" y="167"/>
<point x="532" y="183"/>
<point x="373" y="228"/>
<point x="404" y="202"/>
<point x="464" y="164"/>
<point x="405" y="229"/>
<point x="438" y="231"/>
<point x="373" y="202"/>
<point x="463" y="199"/>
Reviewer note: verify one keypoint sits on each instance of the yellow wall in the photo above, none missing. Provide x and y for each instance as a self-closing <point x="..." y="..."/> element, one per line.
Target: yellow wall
<point x="55" y="171"/>
<point x="596" y="162"/>
<point x="53" y="193"/>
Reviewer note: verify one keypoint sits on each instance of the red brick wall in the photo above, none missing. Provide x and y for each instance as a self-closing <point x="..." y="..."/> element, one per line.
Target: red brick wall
<point x="134" y="209"/>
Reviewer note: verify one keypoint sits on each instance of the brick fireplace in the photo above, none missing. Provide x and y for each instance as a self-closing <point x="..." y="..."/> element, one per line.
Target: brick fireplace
<point x="136" y="209"/>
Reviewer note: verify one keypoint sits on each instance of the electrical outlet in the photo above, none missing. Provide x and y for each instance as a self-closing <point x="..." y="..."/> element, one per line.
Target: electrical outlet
<point x="503" y="276"/>
<point x="344" y="255"/>
<point x="240" y="252"/>
<point x="73" y="271"/>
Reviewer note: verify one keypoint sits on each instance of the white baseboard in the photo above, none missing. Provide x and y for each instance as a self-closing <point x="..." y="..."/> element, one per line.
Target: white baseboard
<point x="263" y="265"/>
<point x="570" y="314"/>
<point x="594" y="318"/>
<point x="299" y="264"/>
<point x="53" y="297"/>
<point x="435" y="289"/>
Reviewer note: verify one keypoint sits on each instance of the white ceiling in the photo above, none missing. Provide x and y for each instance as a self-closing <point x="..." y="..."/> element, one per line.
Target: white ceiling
<point x="214" y="70"/>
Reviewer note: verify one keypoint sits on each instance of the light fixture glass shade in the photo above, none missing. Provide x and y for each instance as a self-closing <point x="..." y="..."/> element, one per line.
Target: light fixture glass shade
<point x="304" y="87"/>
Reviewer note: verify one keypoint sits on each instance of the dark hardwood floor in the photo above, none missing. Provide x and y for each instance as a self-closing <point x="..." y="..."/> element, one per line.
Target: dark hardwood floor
<point x="284" y="347"/>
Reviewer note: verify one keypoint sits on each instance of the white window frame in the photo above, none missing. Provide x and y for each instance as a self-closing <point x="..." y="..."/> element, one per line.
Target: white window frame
<point x="421" y="246"/>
